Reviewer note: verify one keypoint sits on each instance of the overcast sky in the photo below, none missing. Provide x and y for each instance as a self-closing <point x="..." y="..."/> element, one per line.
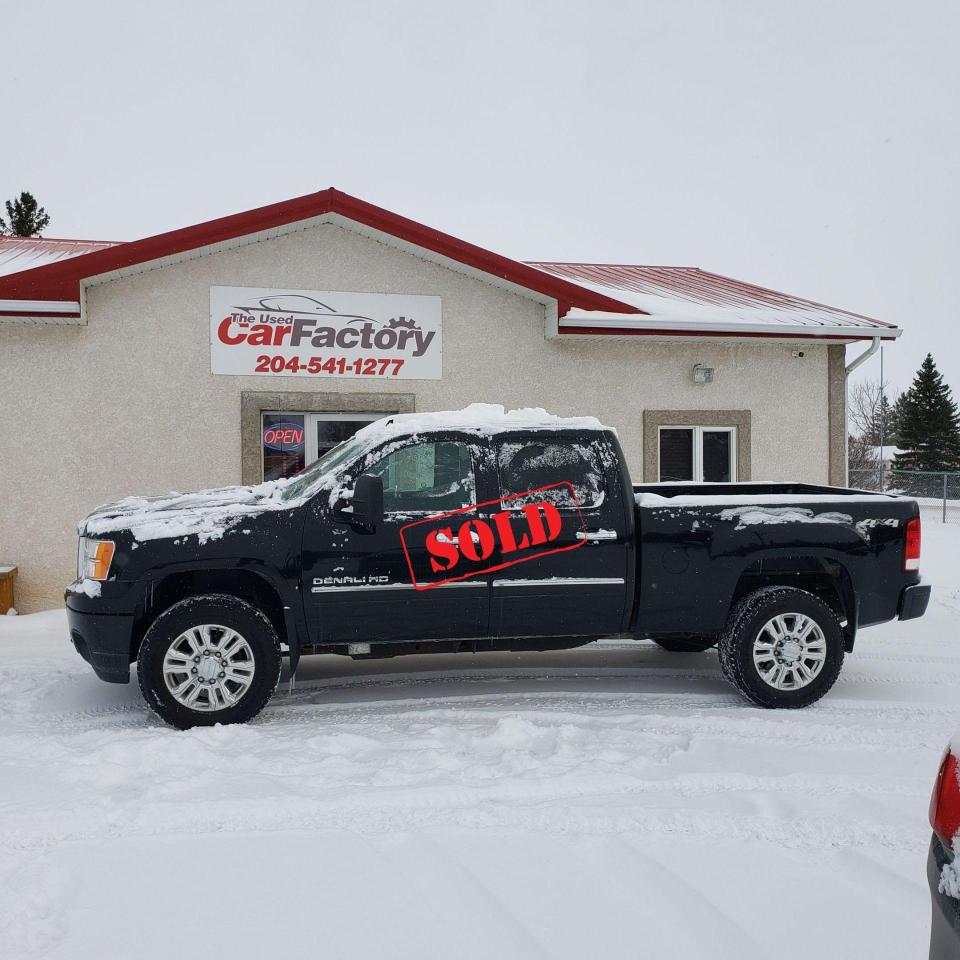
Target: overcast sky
<point x="809" y="146"/>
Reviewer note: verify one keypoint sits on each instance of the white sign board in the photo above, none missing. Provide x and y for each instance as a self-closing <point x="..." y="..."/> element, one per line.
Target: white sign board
<point x="324" y="333"/>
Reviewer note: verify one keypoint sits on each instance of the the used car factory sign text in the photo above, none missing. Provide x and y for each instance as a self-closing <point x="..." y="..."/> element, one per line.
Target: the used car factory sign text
<point x="324" y="333"/>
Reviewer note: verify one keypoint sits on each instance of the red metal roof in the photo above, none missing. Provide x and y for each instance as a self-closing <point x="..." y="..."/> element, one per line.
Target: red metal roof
<point x="592" y="298"/>
<point x="61" y="280"/>
<point x="25" y="253"/>
<point x="674" y="296"/>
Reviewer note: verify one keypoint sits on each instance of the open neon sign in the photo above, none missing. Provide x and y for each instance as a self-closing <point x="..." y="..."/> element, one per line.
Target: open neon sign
<point x="283" y="436"/>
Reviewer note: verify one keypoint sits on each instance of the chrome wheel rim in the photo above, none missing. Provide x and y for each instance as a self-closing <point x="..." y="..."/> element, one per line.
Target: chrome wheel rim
<point x="789" y="651"/>
<point x="208" y="667"/>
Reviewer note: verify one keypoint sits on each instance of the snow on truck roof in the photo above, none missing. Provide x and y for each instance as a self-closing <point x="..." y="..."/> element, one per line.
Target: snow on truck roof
<point x="483" y="419"/>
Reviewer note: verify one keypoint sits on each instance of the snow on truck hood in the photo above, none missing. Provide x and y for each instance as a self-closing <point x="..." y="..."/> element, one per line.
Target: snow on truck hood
<point x="209" y="514"/>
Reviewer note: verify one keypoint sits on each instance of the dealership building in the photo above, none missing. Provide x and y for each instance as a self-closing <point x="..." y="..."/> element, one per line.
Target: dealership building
<point x="241" y="349"/>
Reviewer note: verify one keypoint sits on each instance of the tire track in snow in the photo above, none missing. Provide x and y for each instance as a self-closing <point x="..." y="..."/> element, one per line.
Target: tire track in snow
<point x="461" y="809"/>
<point x="712" y="716"/>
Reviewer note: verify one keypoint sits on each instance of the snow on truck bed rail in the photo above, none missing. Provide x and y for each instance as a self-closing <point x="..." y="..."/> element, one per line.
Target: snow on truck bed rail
<point x="655" y="500"/>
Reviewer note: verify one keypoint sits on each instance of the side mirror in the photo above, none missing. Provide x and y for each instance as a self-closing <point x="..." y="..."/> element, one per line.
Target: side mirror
<point x="368" y="500"/>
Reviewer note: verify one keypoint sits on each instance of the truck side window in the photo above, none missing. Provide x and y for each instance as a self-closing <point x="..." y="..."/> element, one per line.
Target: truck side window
<point x="528" y="465"/>
<point x="426" y="478"/>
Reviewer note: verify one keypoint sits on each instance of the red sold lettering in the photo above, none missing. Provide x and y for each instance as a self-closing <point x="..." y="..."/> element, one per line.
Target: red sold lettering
<point x="443" y="551"/>
<point x="467" y="543"/>
<point x="483" y="546"/>
<point x="505" y="533"/>
<point x="540" y="533"/>
<point x="476" y="539"/>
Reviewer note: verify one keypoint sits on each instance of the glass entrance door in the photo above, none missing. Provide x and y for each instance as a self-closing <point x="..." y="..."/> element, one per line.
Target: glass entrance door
<point x="291" y="441"/>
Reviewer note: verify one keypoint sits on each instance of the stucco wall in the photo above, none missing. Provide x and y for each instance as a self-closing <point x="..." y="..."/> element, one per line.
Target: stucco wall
<point x="128" y="405"/>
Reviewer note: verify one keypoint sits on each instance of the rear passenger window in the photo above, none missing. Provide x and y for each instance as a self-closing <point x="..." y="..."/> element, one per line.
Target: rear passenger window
<point x="526" y="466"/>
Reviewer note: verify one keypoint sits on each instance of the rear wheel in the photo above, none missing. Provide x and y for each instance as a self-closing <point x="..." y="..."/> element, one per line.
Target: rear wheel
<point x="685" y="644"/>
<point x="209" y="659"/>
<point x="782" y="647"/>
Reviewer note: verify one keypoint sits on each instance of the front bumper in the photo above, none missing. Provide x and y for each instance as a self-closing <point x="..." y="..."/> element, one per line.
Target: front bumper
<point x="104" y="640"/>
<point x="945" y="921"/>
<point x="913" y="601"/>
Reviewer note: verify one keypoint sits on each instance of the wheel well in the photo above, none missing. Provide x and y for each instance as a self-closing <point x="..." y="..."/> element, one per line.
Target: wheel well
<point x="164" y="593"/>
<point x="823" y="578"/>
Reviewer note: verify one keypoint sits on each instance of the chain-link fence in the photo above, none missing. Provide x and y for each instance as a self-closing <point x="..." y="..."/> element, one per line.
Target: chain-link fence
<point x="938" y="493"/>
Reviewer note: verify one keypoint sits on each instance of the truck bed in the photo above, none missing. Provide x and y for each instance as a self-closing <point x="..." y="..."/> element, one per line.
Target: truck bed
<point x="714" y="541"/>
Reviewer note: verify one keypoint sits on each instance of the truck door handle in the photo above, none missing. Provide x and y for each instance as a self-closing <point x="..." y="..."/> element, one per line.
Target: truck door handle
<point x="443" y="538"/>
<point x="595" y="535"/>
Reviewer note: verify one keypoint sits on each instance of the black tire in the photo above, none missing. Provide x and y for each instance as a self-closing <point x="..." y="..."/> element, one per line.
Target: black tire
<point x="684" y="644"/>
<point x="220" y="609"/>
<point x="743" y="628"/>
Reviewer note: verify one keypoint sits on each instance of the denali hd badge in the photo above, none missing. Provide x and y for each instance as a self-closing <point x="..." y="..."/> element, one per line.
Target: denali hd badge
<point x="316" y="333"/>
<point x="319" y="583"/>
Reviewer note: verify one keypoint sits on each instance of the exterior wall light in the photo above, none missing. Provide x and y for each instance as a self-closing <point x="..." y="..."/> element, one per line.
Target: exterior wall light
<point x="702" y="374"/>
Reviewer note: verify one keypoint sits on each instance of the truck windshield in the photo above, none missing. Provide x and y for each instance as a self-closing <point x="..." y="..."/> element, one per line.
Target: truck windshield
<point x="333" y="459"/>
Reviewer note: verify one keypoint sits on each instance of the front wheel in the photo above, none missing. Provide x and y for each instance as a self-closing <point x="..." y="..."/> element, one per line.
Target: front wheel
<point x="782" y="647"/>
<point x="209" y="659"/>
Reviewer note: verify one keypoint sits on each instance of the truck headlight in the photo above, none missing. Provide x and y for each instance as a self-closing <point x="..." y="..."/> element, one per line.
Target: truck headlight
<point x="93" y="559"/>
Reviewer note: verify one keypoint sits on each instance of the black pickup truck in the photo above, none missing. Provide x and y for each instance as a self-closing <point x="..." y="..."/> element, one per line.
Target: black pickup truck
<point x="482" y="530"/>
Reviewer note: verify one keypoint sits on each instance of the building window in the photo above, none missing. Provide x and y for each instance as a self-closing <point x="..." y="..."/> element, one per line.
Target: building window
<point x="702" y="454"/>
<point x="290" y="441"/>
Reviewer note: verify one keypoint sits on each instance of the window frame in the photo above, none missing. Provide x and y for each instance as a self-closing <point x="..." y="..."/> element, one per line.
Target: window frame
<point x="698" y="431"/>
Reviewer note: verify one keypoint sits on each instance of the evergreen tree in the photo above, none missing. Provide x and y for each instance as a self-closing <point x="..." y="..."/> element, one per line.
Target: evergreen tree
<point x="929" y="428"/>
<point x="25" y="218"/>
<point x="896" y="418"/>
<point x="879" y="424"/>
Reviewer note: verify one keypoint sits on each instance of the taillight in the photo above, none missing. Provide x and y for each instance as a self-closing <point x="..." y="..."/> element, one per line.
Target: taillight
<point x="945" y="802"/>
<point x="911" y="553"/>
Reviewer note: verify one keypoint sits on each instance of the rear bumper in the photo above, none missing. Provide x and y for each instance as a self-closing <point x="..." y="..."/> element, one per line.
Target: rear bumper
<point x="104" y="641"/>
<point x="913" y="601"/>
<point x="945" y="920"/>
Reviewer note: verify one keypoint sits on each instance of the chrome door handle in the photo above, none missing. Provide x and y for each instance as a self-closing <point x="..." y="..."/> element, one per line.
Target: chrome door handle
<point x="443" y="538"/>
<point x="595" y="535"/>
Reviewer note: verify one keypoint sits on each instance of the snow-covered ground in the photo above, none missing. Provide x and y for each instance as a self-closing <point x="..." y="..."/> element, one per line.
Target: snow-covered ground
<point x="612" y="802"/>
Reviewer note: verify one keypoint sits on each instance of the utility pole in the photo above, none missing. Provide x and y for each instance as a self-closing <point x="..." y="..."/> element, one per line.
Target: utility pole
<point x="883" y="420"/>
